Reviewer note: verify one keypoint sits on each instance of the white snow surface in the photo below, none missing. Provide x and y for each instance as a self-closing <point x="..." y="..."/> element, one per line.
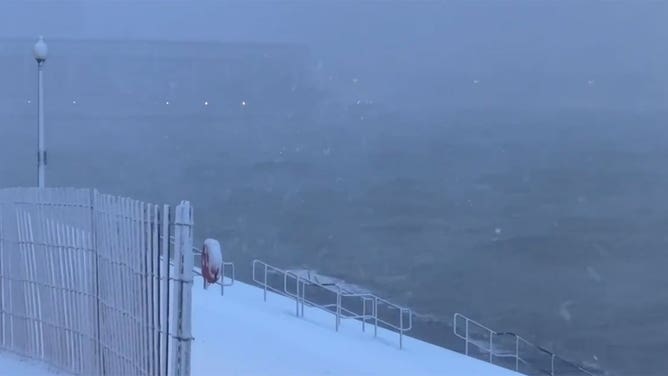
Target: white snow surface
<point x="240" y="334"/>
<point x="14" y="365"/>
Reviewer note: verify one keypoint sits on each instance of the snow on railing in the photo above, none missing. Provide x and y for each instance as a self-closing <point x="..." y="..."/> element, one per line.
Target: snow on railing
<point x="493" y="349"/>
<point x="370" y="305"/>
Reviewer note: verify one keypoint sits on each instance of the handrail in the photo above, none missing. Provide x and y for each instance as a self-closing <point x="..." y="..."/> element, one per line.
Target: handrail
<point x="337" y="308"/>
<point x="232" y="278"/>
<point x="516" y="354"/>
<point x="265" y="282"/>
<point x="300" y="296"/>
<point x="402" y="310"/>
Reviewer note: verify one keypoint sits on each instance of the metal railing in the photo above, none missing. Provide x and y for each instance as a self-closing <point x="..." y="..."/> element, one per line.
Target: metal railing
<point x="337" y="308"/>
<point x="370" y="305"/>
<point x="265" y="282"/>
<point x="491" y="338"/>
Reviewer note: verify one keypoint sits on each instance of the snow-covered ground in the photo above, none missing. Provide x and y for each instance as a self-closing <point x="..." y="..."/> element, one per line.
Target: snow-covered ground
<point x="14" y="365"/>
<point x="239" y="334"/>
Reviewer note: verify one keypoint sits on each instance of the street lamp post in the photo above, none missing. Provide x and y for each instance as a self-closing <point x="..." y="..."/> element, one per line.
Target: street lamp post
<point x="40" y="52"/>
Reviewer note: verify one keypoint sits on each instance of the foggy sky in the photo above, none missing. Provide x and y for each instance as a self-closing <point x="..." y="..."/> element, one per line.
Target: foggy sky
<point x="404" y="50"/>
<point x="384" y="35"/>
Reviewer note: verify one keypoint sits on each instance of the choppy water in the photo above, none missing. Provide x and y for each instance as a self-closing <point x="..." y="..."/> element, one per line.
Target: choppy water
<point x="549" y="225"/>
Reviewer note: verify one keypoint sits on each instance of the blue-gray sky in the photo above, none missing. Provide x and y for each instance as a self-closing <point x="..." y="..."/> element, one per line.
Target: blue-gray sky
<point x="401" y="46"/>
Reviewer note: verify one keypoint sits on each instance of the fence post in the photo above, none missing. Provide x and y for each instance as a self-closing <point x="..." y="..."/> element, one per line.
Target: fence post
<point x="164" y="289"/>
<point x="99" y="360"/>
<point x="517" y="353"/>
<point x="183" y="260"/>
<point x="552" y="366"/>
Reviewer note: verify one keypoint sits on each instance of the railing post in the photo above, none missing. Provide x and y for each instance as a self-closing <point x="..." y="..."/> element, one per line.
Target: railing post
<point x="491" y="347"/>
<point x="338" y="308"/>
<point x="517" y="353"/>
<point x="222" y="278"/>
<point x="204" y="284"/>
<point x="552" y="366"/>
<point x="401" y="328"/>
<point x="265" y="283"/>
<point x="303" y="297"/>
<point x="466" y="331"/>
<point x="375" y="315"/>
<point x="297" y="298"/>
<point x="363" y="314"/>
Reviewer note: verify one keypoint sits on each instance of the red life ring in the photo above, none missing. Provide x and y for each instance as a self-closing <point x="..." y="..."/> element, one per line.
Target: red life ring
<point x="212" y="260"/>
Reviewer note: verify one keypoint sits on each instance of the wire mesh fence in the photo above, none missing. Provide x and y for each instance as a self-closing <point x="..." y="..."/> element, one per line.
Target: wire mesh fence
<point x="86" y="283"/>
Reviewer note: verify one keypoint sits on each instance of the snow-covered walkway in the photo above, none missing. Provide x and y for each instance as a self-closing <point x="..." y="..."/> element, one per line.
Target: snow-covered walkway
<point x="239" y="334"/>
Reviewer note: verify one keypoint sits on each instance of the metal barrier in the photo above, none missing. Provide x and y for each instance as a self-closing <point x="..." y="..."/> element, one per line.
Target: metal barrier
<point x="232" y="277"/>
<point x="264" y="283"/>
<point x="338" y="308"/>
<point x="407" y="312"/>
<point x="86" y="284"/>
<point x="487" y="343"/>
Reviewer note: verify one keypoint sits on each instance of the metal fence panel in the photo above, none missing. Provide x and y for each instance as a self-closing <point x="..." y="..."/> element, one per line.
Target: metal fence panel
<point x="86" y="285"/>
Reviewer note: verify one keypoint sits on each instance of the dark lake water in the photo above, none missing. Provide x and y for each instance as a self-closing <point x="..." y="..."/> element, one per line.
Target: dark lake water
<point x="550" y="225"/>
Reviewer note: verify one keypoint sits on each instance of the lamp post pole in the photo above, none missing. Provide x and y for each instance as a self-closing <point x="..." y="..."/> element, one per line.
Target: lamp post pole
<point x="40" y="52"/>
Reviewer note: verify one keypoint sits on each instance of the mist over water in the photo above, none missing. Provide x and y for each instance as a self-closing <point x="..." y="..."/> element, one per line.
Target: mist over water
<point x="502" y="161"/>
